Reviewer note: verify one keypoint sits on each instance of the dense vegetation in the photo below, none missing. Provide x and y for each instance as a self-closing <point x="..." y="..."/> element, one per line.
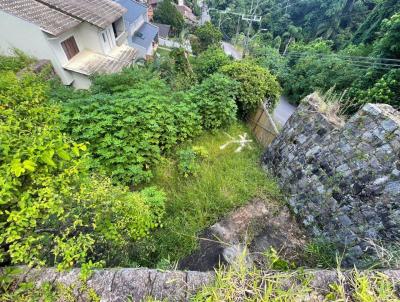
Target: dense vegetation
<point x="52" y="210"/>
<point x="77" y="167"/>
<point x="131" y="171"/>
<point x="349" y="45"/>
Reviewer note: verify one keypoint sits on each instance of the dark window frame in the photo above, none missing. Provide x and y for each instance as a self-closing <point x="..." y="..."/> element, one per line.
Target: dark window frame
<point x="70" y="47"/>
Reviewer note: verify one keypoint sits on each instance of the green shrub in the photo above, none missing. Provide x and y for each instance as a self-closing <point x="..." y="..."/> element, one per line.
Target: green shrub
<point x="189" y="160"/>
<point x="209" y="62"/>
<point x="122" y="81"/>
<point x="256" y="84"/>
<point x="51" y="211"/>
<point x="215" y="99"/>
<point x="15" y="62"/>
<point x="127" y="132"/>
<point x="205" y="36"/>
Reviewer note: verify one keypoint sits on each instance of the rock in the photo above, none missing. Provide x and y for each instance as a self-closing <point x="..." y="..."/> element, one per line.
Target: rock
<point x="262" y="226"/>
<point x="357" y="166"/>
<point x="137" y="284"/>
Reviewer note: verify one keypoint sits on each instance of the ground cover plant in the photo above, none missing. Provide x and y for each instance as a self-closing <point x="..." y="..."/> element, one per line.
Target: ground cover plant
<point x="240" y="282"/>
<point x="15" y="62"/>
<point x="52" y="210"/>
<point x="224" y="180"/>
<point x="128" y="131"/>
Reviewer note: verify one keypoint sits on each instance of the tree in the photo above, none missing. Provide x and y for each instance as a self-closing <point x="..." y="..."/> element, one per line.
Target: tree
<point x="167" y="13"/>
<point x="385" y="90"/>
<point x="389" y="45"/>
<point x="368" y="31"/>
<point x="205" y="36"/>
<point x="209" y="62"/>
<point x="256" y="84"/>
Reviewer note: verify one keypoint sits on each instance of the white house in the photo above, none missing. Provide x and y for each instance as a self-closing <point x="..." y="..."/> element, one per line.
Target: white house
<point x="79" y="37"/>
<point x="142" y="35"/>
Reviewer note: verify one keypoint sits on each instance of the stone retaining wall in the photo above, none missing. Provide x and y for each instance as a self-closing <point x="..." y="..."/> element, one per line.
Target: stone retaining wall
<point x="343" y="178"/>
<point x="123" y="284"/>
<point x="130" y="284"/>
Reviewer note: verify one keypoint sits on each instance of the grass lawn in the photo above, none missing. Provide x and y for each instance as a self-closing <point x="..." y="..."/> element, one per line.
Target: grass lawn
<point x="226" y="180"/>
<point x="163" y="52"/>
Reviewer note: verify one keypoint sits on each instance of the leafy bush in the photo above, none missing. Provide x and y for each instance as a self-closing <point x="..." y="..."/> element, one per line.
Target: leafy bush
<point x="122" y="81"/>
<point x="51" y="210"/>
<point x="256" y="84"/>
<point x="17" y="61"/>
<point x="188" y="160"/>
<point x="127" y="132"/>
<point x="385" y="90"/>
<point x="215" y="99"/>
<point x="317" y="69"/>
<point x="167" y="13"/>
<point x="209" y="62"/>
<point x="205" y="36"/>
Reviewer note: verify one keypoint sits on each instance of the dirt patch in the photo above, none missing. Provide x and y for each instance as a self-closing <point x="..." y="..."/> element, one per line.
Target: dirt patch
<point x="259" y="225"/>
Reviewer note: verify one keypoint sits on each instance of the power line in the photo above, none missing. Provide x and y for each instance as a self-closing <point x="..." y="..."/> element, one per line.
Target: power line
<point x="346" y="56"/>
<point x="360" y="64"/>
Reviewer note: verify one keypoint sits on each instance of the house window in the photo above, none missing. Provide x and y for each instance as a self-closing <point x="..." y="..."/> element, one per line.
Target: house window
<point x="70" y="47"/>
<point x="118" y="27"/>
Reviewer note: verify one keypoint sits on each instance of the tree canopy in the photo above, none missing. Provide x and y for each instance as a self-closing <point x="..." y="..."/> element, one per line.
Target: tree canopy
<point x="167" y="13"/>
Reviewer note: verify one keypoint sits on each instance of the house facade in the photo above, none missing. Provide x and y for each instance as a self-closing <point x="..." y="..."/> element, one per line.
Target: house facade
<point x="142" y="35"/>
<point x="80" y="38"/>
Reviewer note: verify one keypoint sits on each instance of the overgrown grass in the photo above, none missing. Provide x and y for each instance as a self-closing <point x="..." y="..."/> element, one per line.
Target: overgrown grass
<point x="242" y="283"/>
<point x="223" y="182"/>
<point x="163" y="52"/>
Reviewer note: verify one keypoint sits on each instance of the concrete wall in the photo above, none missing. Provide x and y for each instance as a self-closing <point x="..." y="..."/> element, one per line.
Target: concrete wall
<point x="343" y="179"/>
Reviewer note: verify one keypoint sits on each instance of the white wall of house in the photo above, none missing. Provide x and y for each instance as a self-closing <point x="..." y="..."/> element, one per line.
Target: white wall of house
<point x="81" y="81"/>
<point x="20" y="34"/>
<point x="28" y="37"/>
<point x="86" y="36"/>
<point x="141" y="51"/>
<point x="138" y="22"/>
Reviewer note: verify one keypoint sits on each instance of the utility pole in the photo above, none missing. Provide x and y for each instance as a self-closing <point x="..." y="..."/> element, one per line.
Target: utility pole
<point x="287" y="6"/>
<point x="250" y="18"/>
<point x="287" y="45"/>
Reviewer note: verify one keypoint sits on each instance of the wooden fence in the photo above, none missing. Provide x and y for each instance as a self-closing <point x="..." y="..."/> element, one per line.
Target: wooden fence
<point x="263" y="126"/>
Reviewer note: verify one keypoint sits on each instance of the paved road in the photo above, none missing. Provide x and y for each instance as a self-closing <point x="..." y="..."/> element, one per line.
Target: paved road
<point x="283" y="111"/>
<point x="230" y="50"/>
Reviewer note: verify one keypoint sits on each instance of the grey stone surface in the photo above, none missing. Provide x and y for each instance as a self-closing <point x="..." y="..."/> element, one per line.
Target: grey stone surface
<point x="249" y="230"/>
<point x="343" y="178"/>
<point x="120" y="285"/>
<point x="133" y="284"/>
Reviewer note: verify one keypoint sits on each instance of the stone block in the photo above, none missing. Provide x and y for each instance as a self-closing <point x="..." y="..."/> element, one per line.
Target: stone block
<point x="358" y="166"/>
